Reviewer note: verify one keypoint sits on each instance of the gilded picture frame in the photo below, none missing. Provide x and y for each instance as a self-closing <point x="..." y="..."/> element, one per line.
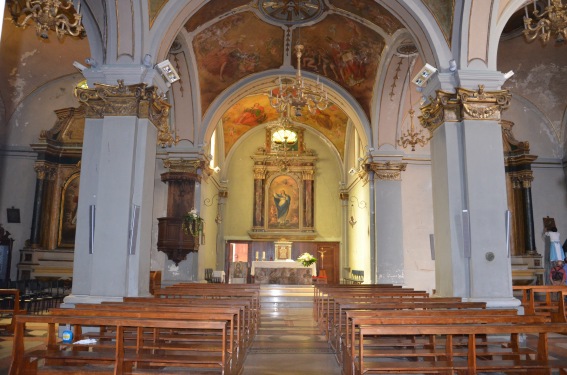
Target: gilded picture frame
<point x="68" y="213"/>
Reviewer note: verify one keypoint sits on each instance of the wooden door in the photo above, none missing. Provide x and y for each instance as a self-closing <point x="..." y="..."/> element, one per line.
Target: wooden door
<point x="328" y="260"/>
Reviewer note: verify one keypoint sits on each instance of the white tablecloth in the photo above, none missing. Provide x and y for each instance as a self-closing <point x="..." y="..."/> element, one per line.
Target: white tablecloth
<point x="281" y="264"/>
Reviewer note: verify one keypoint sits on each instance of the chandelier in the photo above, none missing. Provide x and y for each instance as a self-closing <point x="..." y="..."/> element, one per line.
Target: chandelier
<point x="412" y="137"/>
<point x="47" y="15"/>
<point x="283" y="137"/>
<point x="551" y="22"/>
<point x="297" y="93"/>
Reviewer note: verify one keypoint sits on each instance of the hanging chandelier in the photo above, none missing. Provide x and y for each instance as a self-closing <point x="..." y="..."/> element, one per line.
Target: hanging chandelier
<point x="411" y="137"/>
<point x="552" y="22"/>
<point x="47" y="15"/>
<point x="283" y="137"/>
<point x="298" y="94"/>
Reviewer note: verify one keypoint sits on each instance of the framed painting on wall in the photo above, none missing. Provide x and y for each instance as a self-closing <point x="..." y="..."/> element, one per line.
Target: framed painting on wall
<point x="68" y="215"/>
<point x="283" y="203"/>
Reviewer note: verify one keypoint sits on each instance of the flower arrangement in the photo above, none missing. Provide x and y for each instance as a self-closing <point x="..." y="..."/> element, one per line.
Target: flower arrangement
<point x="306" y="259"/>
<point x="193" y="223"/>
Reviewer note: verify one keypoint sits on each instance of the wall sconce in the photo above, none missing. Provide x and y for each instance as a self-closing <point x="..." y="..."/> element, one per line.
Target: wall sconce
<point x="209" y="202"/>
<point x="361" y="204"/>
<point x="168" y="71"/>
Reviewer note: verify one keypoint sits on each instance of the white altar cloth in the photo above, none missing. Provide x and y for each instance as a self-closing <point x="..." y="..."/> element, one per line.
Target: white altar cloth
<point x="281" y="264"/>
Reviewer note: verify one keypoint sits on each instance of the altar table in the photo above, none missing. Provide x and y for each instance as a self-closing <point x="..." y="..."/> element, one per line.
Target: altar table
<point x="282" y="272"/>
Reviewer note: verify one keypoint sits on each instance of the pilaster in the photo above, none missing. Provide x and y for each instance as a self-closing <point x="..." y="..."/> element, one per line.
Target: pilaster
<point x="114" y="219"/>
<point x="389" y="250"/>
<point x="469" y="193"/>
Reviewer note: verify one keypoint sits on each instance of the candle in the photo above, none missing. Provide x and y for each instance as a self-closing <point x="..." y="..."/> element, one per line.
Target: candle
<point x="263" y="255"/>
<point x="256" y="255"/>
<point x="526" y="9"/>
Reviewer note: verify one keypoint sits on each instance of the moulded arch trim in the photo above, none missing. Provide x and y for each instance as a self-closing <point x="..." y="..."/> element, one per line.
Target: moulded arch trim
<point x="427" y="35"/>
<point x="168" y="24"/>
<point x="494" y="37"/>
<point x="244" y="138"/>
<point x="261" y="82"/>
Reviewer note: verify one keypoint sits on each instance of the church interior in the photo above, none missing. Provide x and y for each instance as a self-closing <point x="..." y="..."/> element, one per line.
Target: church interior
<point x="409" y="143"/>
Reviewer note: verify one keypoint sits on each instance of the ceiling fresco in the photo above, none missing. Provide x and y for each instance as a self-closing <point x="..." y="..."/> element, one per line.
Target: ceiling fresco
<point x="255" y="110"/>
<point x="346" y="52"/>
<point x="233" y="48"/>
<point x="373" y="12"/>
<point x="443" y="12"/>
<point x="154" y="7"/>
<point x="211" y="10"/>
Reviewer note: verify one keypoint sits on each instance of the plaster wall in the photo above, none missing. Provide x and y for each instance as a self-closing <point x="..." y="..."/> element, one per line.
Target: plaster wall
<point x="359" y="233"/>
<point x="241" y="190"/>
<point x="17" y="175"/>
<point x="417" y="211"/>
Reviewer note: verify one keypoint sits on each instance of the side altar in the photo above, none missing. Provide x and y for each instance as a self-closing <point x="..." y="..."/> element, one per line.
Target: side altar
<point x="282" y="272"/>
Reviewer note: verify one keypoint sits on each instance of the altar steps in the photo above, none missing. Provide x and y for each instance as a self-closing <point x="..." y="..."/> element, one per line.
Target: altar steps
<point x="277" y="297"/>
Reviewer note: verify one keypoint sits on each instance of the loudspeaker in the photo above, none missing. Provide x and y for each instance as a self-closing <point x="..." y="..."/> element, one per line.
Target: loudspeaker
<point x="466" y="234"/>
<point x="92" y="216"/>
<point x="432" y="245"/>
<point x="133" y="232"/>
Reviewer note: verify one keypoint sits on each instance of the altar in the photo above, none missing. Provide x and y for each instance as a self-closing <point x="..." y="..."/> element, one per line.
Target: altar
<point x="282" y="272"/>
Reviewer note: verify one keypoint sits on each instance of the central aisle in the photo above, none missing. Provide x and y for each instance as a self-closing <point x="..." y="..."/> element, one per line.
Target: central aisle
<point x="288" y="341"/>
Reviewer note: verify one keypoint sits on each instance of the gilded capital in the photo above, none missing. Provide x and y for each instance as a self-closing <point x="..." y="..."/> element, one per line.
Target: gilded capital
<point x="388" y="170"/>
<point x="259" y="172"/>
<point x="44" y="171"/>
<point x="444" y="108"/>
<point x="483" y="105"/>
<point x="308" y="174"/>
<point x="183" y="165"/>
<point x="132" y="100"/>
<point x="465" y="104"/>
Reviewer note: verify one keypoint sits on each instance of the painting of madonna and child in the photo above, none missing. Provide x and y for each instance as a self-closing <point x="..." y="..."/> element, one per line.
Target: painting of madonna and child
<point x="283" y="203"/>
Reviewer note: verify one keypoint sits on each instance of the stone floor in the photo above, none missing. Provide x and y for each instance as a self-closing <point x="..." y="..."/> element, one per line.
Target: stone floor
<point x="288" y="341"/>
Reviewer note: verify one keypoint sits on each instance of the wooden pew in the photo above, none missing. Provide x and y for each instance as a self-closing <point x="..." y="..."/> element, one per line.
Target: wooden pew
<point x="147" y="356"/>
<point x="345" y="330"/>
<point x="250" y="321"/>
<point x="427" y="348"/>
<point x="200" y="342"/>
<point x="471" y="362"/>
<point x="239" y="346"/>
<point x="552" y="305"/>
<point x="11" y="297"/>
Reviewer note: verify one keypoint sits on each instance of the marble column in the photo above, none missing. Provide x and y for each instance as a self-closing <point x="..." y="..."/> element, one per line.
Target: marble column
<point x="259" y="181"/>
<point x="308" y="202"/>
<point x="41" y="171"/>
<point x="122" y="126"/>
<point x="469" y="194"/>
<point x="529" y="233"/>
<point x="389" y="250"/>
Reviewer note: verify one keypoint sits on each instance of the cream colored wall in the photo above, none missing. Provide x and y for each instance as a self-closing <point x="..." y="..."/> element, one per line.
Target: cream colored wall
<point x="359" y="233"/>
<point x="417" y="209"/>
<point x="241" y="189"/>
<point x="208" y="211"/>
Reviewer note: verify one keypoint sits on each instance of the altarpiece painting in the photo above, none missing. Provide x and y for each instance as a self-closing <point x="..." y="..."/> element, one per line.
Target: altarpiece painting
<point x="283" y="190"/>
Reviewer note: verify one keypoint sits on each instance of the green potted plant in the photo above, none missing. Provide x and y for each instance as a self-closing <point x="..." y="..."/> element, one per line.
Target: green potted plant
<point x="193" y="223"/>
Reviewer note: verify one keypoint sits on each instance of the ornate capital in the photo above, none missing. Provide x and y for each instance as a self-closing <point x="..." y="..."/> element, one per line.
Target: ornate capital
<point x="183" y="165"/>
<point x="522" y="179"/>
<point x="483" y="105"/>
<point x="308" y="174"/>
<point x="463" y="105"/>
<point x="444" y="108"/>
<point x="45" y="171"/>
<point x="133" y="100"/>
<point x="388" y="171"/>
<point x="260" y="172"/>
